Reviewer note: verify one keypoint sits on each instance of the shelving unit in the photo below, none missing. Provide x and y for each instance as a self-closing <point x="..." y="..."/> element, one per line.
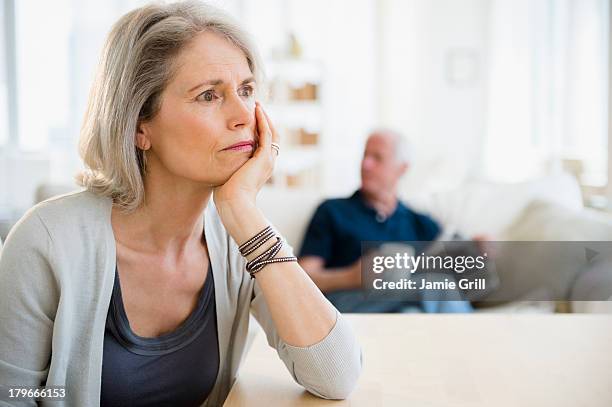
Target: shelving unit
<point x="296" y="104"/>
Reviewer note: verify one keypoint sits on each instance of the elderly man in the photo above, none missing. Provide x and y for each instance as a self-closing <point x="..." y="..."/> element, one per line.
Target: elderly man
<point x="331" y="251"/>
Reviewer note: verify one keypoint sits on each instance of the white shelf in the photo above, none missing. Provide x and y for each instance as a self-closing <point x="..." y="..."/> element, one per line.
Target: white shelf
<point x="298" y="165"/>
<point x="296" y="159"/>
<point x="305" y="114"/>
<point x="295" y="70"/>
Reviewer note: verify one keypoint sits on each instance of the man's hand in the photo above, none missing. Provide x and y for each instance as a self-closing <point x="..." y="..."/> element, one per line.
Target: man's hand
<point x="483" y="243"/>
<point x="354" y="277"/>
<point x="344" y="278"/>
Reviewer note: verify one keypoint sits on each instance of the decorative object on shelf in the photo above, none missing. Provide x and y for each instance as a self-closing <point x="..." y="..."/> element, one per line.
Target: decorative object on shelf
<point x="308" y="91"/>
<point x="307" y="138"/>
<point x="295" y="48"/>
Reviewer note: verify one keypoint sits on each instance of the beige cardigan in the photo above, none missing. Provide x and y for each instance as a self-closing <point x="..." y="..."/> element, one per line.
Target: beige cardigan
<point x="56" y="277"/>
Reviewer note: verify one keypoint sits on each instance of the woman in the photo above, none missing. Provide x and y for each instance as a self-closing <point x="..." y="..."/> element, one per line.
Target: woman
<point x="137" y="291"/>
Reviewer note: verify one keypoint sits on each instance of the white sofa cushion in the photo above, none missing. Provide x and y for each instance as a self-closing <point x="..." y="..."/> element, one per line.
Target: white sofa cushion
<point x="547" y="221"/>
<point x="289" y="210"/>
<point x="482" y="207"/>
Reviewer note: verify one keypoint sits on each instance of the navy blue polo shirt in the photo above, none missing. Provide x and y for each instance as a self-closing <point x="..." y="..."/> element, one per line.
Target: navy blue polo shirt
<point x="339" y="226"/>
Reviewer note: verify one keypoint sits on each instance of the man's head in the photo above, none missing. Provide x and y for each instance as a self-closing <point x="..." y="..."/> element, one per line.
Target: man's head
<point x="385" y="160"/>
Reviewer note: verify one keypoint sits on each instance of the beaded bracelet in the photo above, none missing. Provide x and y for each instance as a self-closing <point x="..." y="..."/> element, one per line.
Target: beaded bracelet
<point x="254" y="240"/>
<point x="267" y="257"/>
<point x="258" y="243"/>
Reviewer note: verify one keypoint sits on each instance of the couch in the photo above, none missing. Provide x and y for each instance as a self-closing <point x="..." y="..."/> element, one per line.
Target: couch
<point x="546" y="209"/>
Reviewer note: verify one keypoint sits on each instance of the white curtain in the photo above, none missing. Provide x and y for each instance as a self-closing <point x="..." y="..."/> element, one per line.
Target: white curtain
<point x="547" y="88"/>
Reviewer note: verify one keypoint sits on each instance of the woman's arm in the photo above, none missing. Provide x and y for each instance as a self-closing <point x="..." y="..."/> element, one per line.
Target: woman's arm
<point x="28" y="303"/>
<point x="315" y="343"/>
<point x="302" y="315"/>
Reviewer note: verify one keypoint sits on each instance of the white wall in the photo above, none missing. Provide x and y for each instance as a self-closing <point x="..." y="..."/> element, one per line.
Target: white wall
<point x="351" y="51"/>
<point x="444" y="117"/>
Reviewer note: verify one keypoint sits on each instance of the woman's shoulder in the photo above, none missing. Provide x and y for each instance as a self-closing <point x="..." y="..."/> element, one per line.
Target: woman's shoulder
<point x="75" y="200"/>
<point x="73" y="205"/>
<point x="68" y="215"/>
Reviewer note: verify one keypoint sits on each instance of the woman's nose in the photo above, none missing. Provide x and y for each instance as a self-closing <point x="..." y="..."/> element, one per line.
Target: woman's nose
<point x="240" y="112"/>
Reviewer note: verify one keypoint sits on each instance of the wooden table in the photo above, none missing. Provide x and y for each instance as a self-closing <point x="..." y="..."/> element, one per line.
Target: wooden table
<point x="455" y="360"/>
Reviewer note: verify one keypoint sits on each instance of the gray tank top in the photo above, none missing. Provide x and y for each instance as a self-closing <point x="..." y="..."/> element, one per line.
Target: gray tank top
<point x="175" y="369"/>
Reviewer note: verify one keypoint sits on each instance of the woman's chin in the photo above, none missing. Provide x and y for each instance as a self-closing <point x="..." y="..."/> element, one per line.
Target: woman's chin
<point x="239" y="161"/>
<point x="231" y="169"/>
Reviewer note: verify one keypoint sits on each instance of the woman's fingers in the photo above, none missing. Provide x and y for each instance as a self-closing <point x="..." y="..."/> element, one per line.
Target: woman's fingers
<point x="275" y="135"/>
<point x="262" y="127"/>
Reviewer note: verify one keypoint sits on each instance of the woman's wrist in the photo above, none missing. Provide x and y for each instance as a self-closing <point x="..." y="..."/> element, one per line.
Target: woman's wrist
<point x="242" y="220"/>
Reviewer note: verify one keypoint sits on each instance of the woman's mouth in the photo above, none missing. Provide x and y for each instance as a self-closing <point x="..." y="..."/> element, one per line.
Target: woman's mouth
<point x="241" y="146"/>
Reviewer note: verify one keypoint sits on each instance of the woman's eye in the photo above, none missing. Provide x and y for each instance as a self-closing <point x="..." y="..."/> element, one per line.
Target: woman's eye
<point x="246" y="91"/>
<point x="207" y="96"/>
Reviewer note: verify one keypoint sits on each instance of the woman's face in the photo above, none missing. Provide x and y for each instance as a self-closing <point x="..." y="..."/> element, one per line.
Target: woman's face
<point x="208" y="106"/>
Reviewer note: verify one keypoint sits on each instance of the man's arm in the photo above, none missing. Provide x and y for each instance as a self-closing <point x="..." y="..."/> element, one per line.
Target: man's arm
<point x="317" y="247"/>
<point x="342" y="278"/>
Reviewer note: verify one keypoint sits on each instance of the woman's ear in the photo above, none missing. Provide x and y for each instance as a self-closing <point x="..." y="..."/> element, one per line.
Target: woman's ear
<point x="143" y="141"/>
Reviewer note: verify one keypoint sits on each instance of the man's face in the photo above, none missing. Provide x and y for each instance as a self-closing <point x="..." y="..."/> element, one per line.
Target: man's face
<point x="380" y="169"/>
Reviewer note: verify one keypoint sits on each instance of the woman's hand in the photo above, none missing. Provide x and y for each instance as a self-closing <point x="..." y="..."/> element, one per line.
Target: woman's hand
<point x="235" y="200"/>
<point x="245" y="183"/>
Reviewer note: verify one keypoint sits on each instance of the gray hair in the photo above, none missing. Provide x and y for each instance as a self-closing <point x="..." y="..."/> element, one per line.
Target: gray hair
<point x="137" y="63"/>
<point x="403" y="148"/>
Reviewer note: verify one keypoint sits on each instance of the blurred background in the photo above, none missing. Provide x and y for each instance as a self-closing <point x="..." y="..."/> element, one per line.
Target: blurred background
<point x="493" y="93"/>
